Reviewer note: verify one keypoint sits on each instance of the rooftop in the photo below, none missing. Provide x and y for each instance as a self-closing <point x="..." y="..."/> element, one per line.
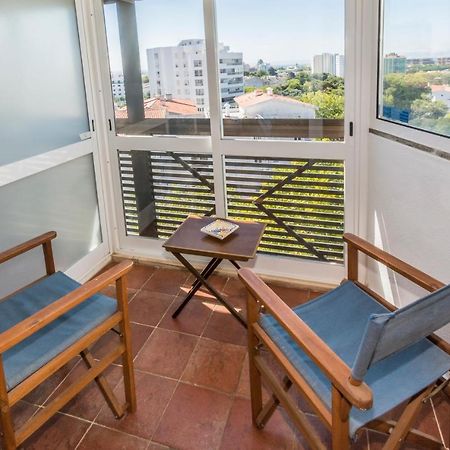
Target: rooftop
<point x="258" y="96"/>
<point x="160" y="108"/>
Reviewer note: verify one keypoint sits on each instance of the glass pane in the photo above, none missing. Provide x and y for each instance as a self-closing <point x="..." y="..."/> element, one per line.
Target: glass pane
<point x="301" y="201"/>
<point x="43" y="94"/>
<point x="415" y="65"/>
<point x="285" y="77"/>
<point x="157" y="57"/>
<point x="63" y="199"/>
<point x="160" y="189"/>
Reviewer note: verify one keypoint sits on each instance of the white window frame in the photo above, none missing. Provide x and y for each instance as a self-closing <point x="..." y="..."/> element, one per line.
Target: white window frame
<point x="276" y="266"/>
<point x="371" y="60"/>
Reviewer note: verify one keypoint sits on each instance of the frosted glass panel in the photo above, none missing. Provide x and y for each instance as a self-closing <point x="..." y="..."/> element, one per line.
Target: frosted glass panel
<point x="42" y="89"/>
<point x="63" y="199"/>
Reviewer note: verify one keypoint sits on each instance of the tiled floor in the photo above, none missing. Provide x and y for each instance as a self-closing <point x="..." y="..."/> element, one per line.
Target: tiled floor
<point x="191" y="378"/>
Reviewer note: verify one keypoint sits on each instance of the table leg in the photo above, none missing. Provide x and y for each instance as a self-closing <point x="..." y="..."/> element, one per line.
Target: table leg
<point x="210" y="288"/>
<point x="207" y="271"/>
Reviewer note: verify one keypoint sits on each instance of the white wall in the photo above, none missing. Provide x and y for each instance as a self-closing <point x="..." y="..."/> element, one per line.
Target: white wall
<point x="408" y="215"/>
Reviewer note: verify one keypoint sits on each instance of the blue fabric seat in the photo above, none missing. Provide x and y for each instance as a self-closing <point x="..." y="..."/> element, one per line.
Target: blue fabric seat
<point x="34" y="352"/>
<point x="340" y="318"/>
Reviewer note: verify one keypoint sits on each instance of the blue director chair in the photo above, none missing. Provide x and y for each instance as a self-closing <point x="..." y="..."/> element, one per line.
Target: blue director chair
<point x="52" y="321"/>
<point x="351" y="354"/>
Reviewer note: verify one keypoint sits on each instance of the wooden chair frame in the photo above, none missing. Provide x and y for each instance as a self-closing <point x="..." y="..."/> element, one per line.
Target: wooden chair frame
<point x="9" y="338"/>
<point x="346" y="392"/>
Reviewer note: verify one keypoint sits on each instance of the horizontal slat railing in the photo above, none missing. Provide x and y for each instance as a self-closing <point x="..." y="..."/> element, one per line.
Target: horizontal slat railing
<point x="270" y="128"/>
<point x="301" y="201"/>
<point x="179" y="183"/>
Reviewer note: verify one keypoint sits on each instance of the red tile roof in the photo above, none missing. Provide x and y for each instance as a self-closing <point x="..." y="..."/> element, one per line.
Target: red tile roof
<point x="258" y="96"/>
<point x="160" y="108"/>
<point x="440" y="88"/>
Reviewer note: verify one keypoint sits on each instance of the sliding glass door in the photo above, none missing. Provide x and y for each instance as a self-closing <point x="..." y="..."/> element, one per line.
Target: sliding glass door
<point x="48" y="156"/>
<point x="238" y="109"/>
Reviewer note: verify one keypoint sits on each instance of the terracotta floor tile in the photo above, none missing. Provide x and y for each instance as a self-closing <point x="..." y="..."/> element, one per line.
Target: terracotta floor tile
<point x="217" y="281"/>
<point x="89" y="401"/>
<point x="441" y="404"/>
<point x="224" y="327"/>
<point x="166" y="353"/>
<point x="216" y="365"/>
<point x="59" y="433"/>
<point x="194" y="420"/>
<point x="154" y="394"/>
<point x="100" y="438"/>
<point x="139" y="275"/>
<point x="21" y="412"/>
<point x="240" y="434"/>
<point x="43" y="391"/>
<point x="243" y="389"/>
<point x="192" y="319"/>
<point x="290" y="295"/>
<point x="314" y="294"/>
<point x="149" y="307"/>
<point x="139" y="335"/>
<point x="167" y="281"/>
<point x="110" y="291"/>
<point x="155" y="446"/>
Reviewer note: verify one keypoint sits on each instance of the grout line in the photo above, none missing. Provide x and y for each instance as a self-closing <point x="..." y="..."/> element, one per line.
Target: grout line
<point x="438" y="424"/>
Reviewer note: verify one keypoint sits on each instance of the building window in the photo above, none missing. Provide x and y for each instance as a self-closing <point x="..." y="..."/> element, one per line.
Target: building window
<point x="198" y="63"/>
<point x="198" y="73"/>
<point x="199" y="82"/>
<point x="414" y="65"/>
<point x="199" y="92"/>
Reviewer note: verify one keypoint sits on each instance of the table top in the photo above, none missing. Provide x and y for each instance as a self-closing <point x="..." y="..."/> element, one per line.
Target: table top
<point x="241" y="245"/>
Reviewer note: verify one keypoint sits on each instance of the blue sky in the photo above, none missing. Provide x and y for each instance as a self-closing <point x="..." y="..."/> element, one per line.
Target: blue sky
<point x="285" y="31"/>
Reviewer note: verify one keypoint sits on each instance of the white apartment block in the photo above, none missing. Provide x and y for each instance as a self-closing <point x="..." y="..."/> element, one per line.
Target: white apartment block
<point x="332" y="63"/>
<point x="180" y="72"/>
<point x="118" y="86"/>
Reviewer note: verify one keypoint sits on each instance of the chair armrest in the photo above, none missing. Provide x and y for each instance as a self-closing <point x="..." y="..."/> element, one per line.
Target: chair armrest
<point x="411" y="273"/>
<point x="26" y="246"/>
<point x="44" y="240"/>
<point x="329" y="363"/>
<point x="43" y="317"/>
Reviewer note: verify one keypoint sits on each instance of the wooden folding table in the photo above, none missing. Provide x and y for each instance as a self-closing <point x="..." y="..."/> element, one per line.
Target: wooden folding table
<point x="241" y="245"/>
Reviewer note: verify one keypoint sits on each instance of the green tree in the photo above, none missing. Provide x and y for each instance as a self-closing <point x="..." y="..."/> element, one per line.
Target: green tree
<point x="401" y="90"/>
<point x="425" y="108"/>
<point x="330" y="104"/>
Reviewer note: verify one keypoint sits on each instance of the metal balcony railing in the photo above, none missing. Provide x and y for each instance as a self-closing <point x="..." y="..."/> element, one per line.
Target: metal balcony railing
<point x="301" y="201"/>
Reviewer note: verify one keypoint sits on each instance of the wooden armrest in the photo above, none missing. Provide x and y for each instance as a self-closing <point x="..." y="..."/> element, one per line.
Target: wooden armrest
<point x="331" y="365"/>
<point x="411" y="273"/>
<point x="26" y="246"/>
<point x="43" y="317"/>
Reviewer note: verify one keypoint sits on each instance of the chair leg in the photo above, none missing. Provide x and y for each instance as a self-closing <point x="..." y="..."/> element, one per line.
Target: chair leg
<point x="255" y="376"/>
<point x="104" y="387"/>
<point x="127" y="359"/>
<point x="9" y="437"/>
<point x="340" y="421"/>
<point x="406" y="421"/>
<point x="272" y="404"/>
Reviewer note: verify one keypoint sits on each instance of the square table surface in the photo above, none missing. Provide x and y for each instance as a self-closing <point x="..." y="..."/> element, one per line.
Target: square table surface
<point x="241" y="245"/>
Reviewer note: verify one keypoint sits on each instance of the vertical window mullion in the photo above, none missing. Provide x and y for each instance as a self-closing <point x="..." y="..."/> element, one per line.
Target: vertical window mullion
<point x="214" y="103"/>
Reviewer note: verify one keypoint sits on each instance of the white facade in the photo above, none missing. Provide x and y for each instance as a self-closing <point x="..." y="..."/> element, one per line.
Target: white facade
<point x="118" y="86"/>
<point x="441" y="93"/>
<point x="332" y="63"/>
<point x="340" y="65"/>
<point x="257" y="105"/>
<point x="180" y="72"/>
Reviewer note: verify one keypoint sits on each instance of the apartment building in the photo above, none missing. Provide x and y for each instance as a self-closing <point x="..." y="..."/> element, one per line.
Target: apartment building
<point x="332" y="63"/>
<point x="180" y="71"/>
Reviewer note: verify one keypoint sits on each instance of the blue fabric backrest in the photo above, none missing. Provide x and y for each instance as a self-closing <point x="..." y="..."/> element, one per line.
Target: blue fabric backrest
<point x="392" y="332"/>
